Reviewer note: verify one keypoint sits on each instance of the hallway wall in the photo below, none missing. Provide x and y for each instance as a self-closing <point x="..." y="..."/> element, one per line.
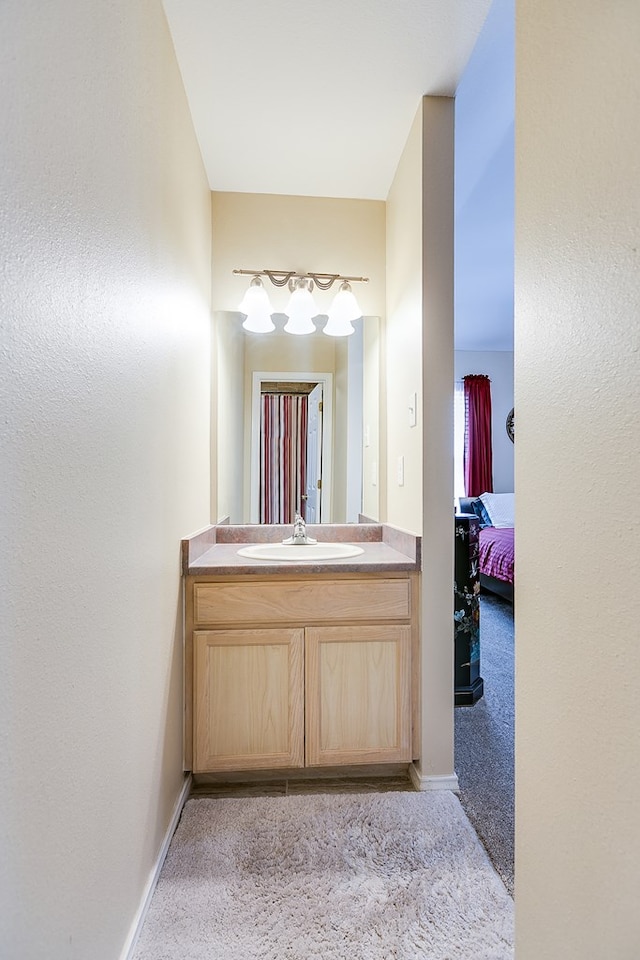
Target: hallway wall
<point x="577" y="460"/>
<point x="104" y="393"/>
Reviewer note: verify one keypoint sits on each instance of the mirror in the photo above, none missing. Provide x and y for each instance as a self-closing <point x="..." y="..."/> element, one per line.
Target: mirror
<point x="343" y="370"/>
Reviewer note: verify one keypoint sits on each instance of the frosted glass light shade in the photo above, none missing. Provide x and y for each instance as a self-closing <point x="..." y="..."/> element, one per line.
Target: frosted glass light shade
<point x="257" y="307"/>
<point x="300" y="309"/>
<point x="255" y="298"/>
<point x="259" y="321"/>
<point x="344" y="310"/>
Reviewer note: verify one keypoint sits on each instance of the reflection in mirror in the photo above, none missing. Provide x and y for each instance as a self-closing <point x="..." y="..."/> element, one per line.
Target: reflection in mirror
<point x="273" y="451"/>
<point x="291" y="446"/>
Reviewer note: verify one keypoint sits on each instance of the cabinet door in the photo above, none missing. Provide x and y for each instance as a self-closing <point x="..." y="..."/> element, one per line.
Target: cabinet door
<point x="358" y="705"/>
<point x="249" y="711"/>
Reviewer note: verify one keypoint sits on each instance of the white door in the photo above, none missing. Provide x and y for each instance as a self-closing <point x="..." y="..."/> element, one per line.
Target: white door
<point x="314" y="456"/>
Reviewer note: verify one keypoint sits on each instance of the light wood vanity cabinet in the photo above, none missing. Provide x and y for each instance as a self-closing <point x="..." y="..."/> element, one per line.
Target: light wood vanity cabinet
<point x="286" y="672"/>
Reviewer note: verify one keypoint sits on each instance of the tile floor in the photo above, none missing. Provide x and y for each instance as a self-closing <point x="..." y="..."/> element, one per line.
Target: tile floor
<point x="287" y="787"/>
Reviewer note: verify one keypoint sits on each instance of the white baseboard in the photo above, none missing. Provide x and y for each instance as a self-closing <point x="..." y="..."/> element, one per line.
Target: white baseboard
<point x="141" y="913"/>
<point x="420" y="782"/>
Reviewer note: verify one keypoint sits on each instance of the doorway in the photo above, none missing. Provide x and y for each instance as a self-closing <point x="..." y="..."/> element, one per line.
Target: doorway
<point x="291" y="443"/>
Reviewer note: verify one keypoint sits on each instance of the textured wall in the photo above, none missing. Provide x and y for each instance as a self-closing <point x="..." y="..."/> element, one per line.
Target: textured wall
<point x="105" y="239"/>
<point x="577" y="461"/>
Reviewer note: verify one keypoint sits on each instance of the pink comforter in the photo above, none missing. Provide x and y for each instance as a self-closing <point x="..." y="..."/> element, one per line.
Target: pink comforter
<point x="497" y="553"/>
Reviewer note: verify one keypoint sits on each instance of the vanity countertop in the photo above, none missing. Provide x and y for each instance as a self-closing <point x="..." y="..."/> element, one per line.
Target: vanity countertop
<point x="214" y="550"/>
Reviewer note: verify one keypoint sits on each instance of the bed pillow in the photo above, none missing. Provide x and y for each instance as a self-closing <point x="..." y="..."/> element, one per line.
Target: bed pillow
<point x="500" y="508"/>
<point x="480" y="511"/>
<point x="476" y="507"/>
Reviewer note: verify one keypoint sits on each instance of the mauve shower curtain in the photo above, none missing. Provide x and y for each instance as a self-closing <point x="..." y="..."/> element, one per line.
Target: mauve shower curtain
<point x="283" y="456"/>
<point x="478" y="454"/>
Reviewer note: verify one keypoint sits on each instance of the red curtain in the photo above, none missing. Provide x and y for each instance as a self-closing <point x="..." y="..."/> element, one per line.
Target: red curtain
<point x="478" y="457"/>
<point x="283" y="456"/>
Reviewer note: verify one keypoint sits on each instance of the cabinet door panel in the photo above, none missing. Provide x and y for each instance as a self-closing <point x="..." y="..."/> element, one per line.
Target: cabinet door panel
<point x="358" y="695"/>
<point x="249" y="699"/>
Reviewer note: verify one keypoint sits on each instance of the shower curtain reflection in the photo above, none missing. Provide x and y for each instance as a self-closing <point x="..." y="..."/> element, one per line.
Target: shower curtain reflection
<point x="283" y="456"/>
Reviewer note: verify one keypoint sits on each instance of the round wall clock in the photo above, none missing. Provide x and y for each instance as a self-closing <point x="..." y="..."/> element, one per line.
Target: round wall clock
<point x="510" y="425"/>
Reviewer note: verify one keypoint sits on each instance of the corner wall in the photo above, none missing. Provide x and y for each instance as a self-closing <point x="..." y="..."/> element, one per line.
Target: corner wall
<point x="437" y="456"/>
<point x="577" y="462"/>
<point x="105" y="293"/>
<point x="419" y="357"/>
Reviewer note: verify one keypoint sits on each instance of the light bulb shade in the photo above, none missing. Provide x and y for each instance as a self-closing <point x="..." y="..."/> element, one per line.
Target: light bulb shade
<point x="300" y="309"/>
<point x="259" y="321"/>
<point x="256" y="298"/>
<point x="335" y="327"/>
<point x="344" y="310"/>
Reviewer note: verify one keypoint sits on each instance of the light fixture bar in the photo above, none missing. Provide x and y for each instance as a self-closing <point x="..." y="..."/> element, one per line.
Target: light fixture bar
<point x="282" y="277"/>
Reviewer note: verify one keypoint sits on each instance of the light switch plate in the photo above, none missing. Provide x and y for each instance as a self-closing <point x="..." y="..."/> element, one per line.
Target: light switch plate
<point x="400" y="471"/>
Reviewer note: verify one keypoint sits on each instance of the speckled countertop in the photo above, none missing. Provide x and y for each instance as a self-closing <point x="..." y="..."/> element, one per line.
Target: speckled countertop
<point x="214" y="550"/>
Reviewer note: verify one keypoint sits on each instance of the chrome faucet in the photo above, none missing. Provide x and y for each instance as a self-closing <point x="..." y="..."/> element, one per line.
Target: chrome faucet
<point x="299" y="532"/>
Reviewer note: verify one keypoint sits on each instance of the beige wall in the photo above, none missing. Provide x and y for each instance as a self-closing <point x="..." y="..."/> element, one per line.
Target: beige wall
<point x="373" y="493"/>
<point x="419" y="356"/>
<point x="436" y="414"/>
<point x="228" y="418"/>
<point x="258" y="231"/>
<point x="105" y="243"/>
<point x="577" y="460"/>
<point x="403" y="336"/>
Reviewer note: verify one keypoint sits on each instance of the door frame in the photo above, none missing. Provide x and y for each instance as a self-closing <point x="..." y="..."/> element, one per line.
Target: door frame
<point x="326" y="379"/>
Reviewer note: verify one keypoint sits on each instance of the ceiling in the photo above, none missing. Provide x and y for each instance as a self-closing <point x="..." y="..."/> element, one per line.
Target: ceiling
<point x="317" y="99"/>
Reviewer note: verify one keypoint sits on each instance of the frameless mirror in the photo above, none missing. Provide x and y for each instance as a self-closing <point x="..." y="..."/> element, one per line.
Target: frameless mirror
<point x="291" y="420"/>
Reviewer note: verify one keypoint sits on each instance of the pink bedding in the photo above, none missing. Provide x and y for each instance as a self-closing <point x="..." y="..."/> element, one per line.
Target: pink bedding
<point x="497" y="553"/>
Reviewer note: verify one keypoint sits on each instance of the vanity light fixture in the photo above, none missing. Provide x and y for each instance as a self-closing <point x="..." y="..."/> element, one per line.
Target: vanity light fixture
<point x="301" y="307"/>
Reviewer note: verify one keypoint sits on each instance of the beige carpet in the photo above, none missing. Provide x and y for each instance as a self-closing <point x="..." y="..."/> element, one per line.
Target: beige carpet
<point x="393" y="876"/>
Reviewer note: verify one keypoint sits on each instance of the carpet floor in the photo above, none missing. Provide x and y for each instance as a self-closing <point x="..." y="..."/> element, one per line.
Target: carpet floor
<point x="484" y="740"/>
<point x="394" y="876"/>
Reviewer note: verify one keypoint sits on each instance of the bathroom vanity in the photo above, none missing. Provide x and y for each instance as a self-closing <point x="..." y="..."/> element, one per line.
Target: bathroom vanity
<point x="301" y="663"/>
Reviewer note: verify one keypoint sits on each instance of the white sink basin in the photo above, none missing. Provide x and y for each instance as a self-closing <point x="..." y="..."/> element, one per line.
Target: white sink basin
<point x="297" y="552"/>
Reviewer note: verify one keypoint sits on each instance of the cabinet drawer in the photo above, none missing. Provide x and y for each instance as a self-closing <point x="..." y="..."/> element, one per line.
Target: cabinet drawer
<point x="301" y="601"/>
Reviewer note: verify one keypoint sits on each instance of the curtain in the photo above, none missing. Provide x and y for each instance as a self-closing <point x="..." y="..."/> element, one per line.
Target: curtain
<point x="283" y="456"/>
<point x="478" y="457"/>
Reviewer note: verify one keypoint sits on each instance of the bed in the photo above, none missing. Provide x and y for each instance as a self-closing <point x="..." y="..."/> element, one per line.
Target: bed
<point x="496" y="544"/>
